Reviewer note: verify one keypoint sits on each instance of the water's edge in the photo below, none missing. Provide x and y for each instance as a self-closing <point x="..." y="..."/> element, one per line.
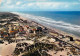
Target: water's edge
<point x="66" y="27"/>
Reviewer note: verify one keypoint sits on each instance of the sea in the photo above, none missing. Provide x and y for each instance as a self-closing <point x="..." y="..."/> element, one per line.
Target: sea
<point x="67" y="21"/>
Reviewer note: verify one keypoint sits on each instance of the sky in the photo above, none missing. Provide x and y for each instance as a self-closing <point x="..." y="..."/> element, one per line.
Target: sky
<point x="39" y="5"/>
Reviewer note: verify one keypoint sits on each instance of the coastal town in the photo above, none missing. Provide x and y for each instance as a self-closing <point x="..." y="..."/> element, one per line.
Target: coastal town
<point x="24" y="37"/>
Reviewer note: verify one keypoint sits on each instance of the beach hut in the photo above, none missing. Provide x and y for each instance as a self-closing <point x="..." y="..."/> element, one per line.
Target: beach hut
<point x="31" y="31"/>
<point x="1" y="41"/>
<point x="12" y="32"/>
<point x="27" y="26"/>
<point x="45" y="30"/>
<point x="63" y="36"/>
<point x="1" y="32"/>
<point x="21" y="29"/>
<point x="34" y="30"/>
<point x="25" y="21"/>
<point x="71" y="38"/>
<point x="5" y="34"/>
<point x="39" y="29"/>
<point x="77" y="42"/>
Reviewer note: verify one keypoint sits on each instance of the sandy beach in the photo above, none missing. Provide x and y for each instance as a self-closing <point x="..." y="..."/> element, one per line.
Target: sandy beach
<point x="7" y="49"/>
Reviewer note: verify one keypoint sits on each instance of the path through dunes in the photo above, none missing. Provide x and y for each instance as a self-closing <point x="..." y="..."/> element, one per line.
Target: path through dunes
<point x="7" y="50"/>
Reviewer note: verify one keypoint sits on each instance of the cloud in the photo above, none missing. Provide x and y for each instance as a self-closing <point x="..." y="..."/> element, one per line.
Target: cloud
<point x="11" y="6"/>
<point x="18" y="3"/>
<point x="38" y="5"/>
<point x="8" y="1"/>
<point x="51" y="5"/>
<point x="30" y="4"/>
<point x="48" y="5"/>
<point x="66" y="6"/>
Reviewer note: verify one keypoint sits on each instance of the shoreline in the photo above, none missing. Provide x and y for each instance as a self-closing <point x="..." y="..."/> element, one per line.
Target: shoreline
<point x="51" y="28"/>
<point x="73" y="31"/>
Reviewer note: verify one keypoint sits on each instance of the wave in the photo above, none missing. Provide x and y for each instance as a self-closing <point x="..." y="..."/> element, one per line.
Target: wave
<point x="51" y="22"/>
